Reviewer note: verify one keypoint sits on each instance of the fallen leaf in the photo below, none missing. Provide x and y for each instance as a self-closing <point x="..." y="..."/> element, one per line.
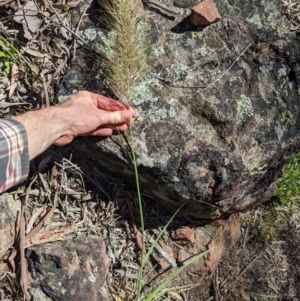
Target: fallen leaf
<point x="4" y="2"/>
<point x="37" y="86"/>
<point x="14" y="77"/>
<point x="36" y="53"/>
<point x="66" y="6"/>
<point x="35" y="69"/>
<point x="29" y="17"/>
<point x="45" y="5"/>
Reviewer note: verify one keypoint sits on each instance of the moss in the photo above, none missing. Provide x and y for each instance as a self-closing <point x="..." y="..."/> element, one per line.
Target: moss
<point x="244" y="109"/>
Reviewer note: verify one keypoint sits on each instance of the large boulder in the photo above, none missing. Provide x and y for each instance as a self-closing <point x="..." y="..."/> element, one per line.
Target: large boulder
<point x="218" y="114"/>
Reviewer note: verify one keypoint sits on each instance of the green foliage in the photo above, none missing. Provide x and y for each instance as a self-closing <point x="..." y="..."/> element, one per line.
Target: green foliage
<point x="288" y="196"/>
<point x="161" y="289"/>
<point x="288" y="187"/>
<point x="8" y="55"/>
<point x="260" y="297"/>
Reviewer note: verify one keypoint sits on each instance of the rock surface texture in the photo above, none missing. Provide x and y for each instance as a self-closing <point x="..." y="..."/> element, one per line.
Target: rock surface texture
<point x="70" y="270"/>
<point x="9" y="222"/>
<point x="218" y="114"/>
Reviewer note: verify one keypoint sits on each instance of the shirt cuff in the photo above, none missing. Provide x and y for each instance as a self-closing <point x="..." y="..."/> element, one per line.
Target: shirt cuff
<point x="14" y="155"/>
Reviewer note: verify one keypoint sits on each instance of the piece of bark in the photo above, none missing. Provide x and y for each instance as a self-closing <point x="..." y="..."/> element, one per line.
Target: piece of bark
<point x="186" y="233"/>
<point x="205" y="13"/>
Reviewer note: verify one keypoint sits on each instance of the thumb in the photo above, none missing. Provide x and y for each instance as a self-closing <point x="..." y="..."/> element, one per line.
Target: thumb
<point x="116" y="117"/>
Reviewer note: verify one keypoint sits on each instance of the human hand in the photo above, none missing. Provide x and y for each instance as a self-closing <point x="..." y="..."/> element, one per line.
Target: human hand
<point x="86" y="113"/>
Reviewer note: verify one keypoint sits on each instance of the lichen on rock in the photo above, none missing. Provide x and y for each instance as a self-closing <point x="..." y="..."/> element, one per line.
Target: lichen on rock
<point x="222" y="146"/>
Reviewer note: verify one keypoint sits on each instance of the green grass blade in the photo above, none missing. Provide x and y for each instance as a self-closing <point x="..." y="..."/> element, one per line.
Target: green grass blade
<point x="146" y="257"/>
<point x="158" y="292"/>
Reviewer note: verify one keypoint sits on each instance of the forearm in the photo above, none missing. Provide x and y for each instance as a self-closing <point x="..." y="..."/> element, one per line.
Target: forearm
<point x="43" y="128"/>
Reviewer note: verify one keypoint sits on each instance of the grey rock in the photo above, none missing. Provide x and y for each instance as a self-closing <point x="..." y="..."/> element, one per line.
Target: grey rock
<point x="218" y="149"/>
<point x="186" y="3"/>
<point x="70" y="270"/>
<point x="9" y="222"/>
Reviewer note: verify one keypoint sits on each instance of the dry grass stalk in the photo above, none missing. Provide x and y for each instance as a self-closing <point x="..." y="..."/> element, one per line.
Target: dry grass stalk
<point x="125" y="62"/>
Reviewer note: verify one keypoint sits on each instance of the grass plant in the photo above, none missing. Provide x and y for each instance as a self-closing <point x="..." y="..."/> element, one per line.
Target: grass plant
<point x="9" y="55"/>
<point x="288" y="186"/>
<point x="288" y="197"/>
<point x="125" y="66"/>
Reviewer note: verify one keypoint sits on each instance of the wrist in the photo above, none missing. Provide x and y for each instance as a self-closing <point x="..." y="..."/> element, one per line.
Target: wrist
<point x="43" y="128"/>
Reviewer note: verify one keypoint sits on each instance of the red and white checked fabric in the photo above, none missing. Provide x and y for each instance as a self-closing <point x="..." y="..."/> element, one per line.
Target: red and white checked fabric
<point x="14" y="157"/>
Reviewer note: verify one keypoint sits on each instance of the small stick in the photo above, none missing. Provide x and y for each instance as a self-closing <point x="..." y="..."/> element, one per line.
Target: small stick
<point x="77" y="28"/>
<point x="23" y="267"/>
<point x="163" y="254"/>
<point x="175" y="86"/>
<point x="218" y="78"/>
<point x="215" y="285"/>
<point x="64" y="26"/>
<point x="162" y="8"/>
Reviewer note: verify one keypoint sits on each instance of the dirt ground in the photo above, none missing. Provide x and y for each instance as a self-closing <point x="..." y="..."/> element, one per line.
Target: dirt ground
<point x="263" y="264"/>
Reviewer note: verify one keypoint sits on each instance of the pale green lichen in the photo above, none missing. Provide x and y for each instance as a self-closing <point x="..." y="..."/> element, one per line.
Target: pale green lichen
<point x="156" y="114"/>
<point x="282" y="72"/>
<point x="107" y="40"/>
<point x="143" y="27"/>
<point x="198" y="35"/>
<point x="255" y="19"/>
<point x="172" y="112"/>
<point x="142" y="93"/>
<point x="287" y="117"/>
<point x="90" y="34"/>
<point x="177" y="72"/>
<point x="159" y="51"/>
<point x="244" y="109"/>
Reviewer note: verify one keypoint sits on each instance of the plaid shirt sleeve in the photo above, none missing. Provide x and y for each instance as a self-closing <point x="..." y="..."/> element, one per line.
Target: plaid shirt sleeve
<point x="14" y="157"/>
